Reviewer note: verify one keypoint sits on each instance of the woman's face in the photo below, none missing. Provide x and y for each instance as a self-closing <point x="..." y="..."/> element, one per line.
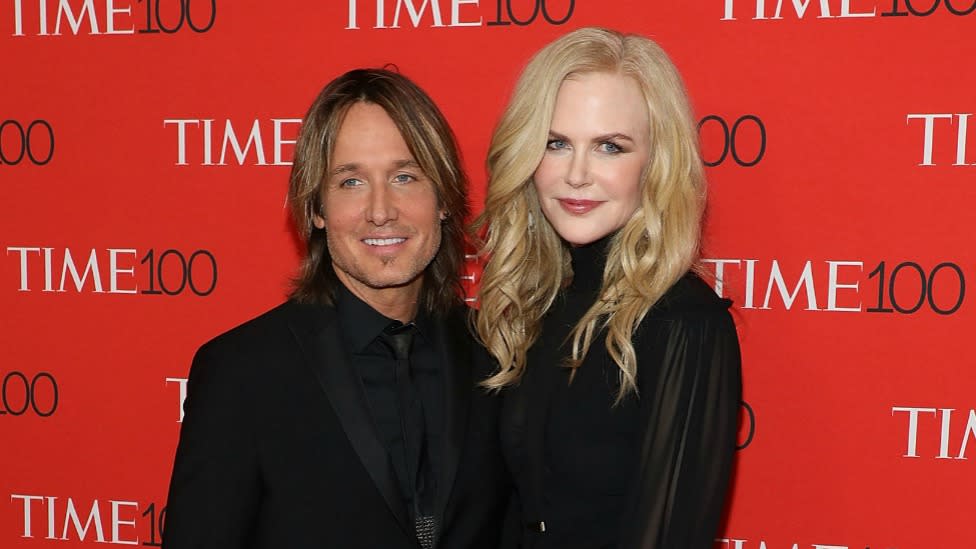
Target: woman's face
<point x="599" y="144"/>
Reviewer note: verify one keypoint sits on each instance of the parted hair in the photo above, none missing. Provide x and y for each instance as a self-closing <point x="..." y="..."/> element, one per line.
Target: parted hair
<point x="528" y="263"/>
<point x="431" y="142"/>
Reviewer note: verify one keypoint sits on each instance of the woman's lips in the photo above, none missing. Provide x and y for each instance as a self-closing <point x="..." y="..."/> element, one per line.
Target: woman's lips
<point x="578" y="207"/>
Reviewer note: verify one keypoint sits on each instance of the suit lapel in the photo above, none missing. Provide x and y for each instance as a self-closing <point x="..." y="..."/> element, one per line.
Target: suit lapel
<point x="455" y="355"/>
<point x="318" y="335"/>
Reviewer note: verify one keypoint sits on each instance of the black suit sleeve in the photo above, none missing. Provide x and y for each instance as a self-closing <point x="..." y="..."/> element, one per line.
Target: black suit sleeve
<point x="690" y="394"/>
<point x="215" y="487"/>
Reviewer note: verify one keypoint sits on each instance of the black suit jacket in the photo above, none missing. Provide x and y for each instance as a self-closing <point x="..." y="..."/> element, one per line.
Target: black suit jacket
<point x="278" y="449"/>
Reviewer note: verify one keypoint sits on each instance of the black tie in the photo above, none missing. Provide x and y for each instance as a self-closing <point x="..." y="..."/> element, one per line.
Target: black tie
<point x="399" y="337"/>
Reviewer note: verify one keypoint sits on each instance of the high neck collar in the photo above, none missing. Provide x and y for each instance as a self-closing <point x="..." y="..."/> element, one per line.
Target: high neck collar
<point x="588" y="263"/>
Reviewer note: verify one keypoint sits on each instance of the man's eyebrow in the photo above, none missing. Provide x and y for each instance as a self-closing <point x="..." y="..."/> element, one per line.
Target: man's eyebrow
<point x="352" y="166"/>
<point x="343" y="168"/>
<point x="406" y="163"/>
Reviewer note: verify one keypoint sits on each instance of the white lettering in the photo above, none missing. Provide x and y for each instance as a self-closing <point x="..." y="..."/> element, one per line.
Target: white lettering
<point x="833" y="285"/>
<point x="253" y="146"/>
<point x="352" y="15"/>
<point x="48" y="286"/>
<point x="114" y="270"/>
<point x="961" y="140"/>
<point x="720" y="273"/>
<point x="929" y="127"/>
<point x="456" y="14"/>
<point x="94" y="516"/>
<point x="944" y="435"/>
<point x="253" y="138"/>
<point x="208" y="142"/>
<point x="116" y="522"/>
<point x="18" y="19"/>
<point x="912" y="426"/>
<point x="23" y="265"/>
<point x="50" y="517"/>
<point x="27" y="511"/>
<point x="760" y="9"/>
<point x="800" y="7"/>
<point x="750" y="283"/>
<point x="415" y="14"/>
<point x="845" y="10"/>
<point x="90" y="267"/>
<point x="110" y="11"/>
<point x="380" y="21"/>
<point x="180" y="137"/>
<point x="970" y="430"/>
<point x="728" y="11"/>
<point x="278" y="141"/>
<point x="806" y="281"/>
<point x="182" y="383"/>
<point x="75" y="23"/>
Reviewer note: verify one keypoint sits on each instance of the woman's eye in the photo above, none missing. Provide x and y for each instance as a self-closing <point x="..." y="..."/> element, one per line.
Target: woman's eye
<point x="610" y="147"/>
<point x="555" y="144"/>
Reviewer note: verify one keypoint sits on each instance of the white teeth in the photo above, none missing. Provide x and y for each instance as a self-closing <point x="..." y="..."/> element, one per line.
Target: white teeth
<point x="383" y="241"/>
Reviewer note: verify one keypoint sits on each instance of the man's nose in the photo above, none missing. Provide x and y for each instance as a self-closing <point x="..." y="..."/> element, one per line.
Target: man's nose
<point x="381" y="207"/>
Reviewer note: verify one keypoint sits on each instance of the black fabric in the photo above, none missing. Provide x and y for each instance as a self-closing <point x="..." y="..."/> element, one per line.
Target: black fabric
<point x="278" y="447"/>
<point x="411" y="416"/>
<point x="418" y="479"/>
<point x="651" y="472"/>
<point x="404" y="392"/>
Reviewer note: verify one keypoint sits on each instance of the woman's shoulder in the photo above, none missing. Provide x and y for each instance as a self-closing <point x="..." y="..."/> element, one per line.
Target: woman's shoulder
<point x="690" y="295"/>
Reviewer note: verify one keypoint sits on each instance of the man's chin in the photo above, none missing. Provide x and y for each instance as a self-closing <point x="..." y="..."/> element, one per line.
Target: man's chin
<point x="386" y="281"/>
<point x="391" y="284"/>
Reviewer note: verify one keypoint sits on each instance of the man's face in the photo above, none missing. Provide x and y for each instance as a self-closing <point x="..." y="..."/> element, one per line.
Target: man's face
<point x="380" y="211"/>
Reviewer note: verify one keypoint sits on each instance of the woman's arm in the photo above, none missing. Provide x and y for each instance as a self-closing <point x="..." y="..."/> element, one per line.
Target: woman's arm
<point x="690" y="389"/>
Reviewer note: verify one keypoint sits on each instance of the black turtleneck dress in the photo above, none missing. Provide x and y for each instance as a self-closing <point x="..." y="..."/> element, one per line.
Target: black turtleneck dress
<point x="651" y="472"/>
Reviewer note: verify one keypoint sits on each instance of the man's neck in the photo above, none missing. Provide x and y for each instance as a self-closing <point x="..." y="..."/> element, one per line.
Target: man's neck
<point x="398" y="302"/>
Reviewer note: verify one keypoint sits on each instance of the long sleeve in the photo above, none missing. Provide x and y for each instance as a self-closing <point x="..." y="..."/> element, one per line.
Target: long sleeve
<point x="215" y="486"/>
<point x="690" y="389"/>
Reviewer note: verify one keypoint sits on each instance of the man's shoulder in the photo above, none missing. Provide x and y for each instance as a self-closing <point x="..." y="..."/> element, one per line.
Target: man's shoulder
<point x="269" y="329"/>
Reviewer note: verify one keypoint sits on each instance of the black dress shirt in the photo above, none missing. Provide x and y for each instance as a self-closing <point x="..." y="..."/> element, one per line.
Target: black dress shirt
<point x="362" y="328"/>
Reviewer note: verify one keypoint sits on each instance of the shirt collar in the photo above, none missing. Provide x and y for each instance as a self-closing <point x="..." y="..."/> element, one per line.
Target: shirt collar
<point x="362" y="324"/>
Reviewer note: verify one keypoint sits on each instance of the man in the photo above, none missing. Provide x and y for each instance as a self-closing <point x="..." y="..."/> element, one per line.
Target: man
<point x="349" y="416"/>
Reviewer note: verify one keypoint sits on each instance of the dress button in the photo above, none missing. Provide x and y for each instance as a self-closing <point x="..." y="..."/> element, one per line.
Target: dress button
<point x="538" y="526"/>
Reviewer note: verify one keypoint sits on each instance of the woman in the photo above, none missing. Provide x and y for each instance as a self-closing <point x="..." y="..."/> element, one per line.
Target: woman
<point x="620" y="367"/>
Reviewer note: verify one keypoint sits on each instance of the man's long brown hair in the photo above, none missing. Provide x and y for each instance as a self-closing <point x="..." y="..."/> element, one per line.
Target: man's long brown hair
<point x="432" y="144"/>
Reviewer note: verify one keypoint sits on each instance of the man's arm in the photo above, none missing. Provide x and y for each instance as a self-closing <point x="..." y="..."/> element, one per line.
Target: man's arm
<point x="215" y="489"/>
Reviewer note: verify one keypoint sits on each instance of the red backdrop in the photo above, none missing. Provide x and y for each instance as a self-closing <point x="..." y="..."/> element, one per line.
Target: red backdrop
<point x="145" y="149"/>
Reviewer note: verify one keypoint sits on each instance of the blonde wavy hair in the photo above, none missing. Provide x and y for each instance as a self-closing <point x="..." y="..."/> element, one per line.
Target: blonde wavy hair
<point x="528" y="263"/>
